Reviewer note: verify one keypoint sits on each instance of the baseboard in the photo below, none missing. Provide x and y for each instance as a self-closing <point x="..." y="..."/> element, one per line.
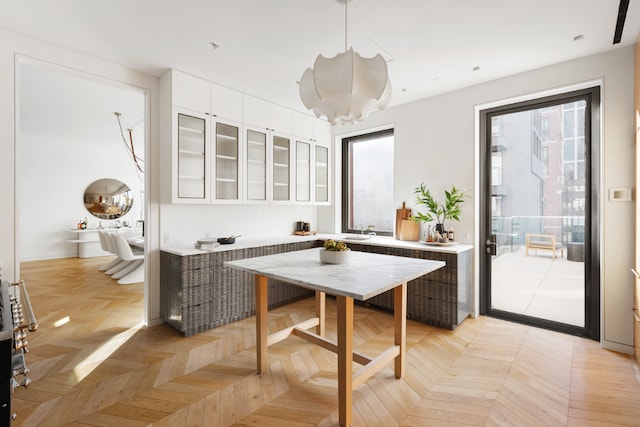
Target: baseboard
<point x="617" y="347"/>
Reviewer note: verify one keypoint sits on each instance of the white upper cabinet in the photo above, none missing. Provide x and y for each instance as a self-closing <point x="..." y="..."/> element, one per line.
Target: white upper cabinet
<point x="226" y="103"/>
<point x="303" y="171"/>
<point x="321" y="132"/>
<point x="190" y="92"/>
<point x="281" y="167"/>
<point x="225" y="146"/>
<point x="280" y="119"/>
<point x="255" y="112"/>
<point x="303" y="125"/>
<point x="321" y="171"/>
<point x="227" y="165"/>
<point x="190" y="166"/>
<point x="256" y="161"/>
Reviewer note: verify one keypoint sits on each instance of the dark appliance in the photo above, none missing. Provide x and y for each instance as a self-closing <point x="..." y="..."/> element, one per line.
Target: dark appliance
<point x="16" y="317"/>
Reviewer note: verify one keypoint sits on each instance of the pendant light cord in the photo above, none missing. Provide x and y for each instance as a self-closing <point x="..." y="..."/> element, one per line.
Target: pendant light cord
<point x="345" y="24"/>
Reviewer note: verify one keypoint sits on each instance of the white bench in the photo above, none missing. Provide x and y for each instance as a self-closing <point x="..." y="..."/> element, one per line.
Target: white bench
<point x="543" y="241"/>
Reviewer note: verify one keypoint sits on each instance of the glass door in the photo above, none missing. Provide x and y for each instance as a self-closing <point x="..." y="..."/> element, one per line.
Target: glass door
<point x="321" y="174"/>
<point x="191" y="154"/>
<point x="281" y="168"/>
<point x="303" y="171"/>
<point x="539" y="215"/>
<point x="256" y="165"/>
<point x="227" y="150"/>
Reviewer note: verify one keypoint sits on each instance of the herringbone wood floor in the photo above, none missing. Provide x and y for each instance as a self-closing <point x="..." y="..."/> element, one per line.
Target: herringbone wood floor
<point x="93" y="365"/>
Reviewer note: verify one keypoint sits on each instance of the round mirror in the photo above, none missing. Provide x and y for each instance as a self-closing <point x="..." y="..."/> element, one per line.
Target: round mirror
<point x="108" y="199"/>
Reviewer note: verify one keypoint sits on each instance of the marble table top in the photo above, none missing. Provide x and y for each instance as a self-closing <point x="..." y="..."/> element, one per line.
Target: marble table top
<point x="365" y="275"/>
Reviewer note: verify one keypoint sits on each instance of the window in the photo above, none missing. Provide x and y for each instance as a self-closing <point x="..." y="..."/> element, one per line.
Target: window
<point x="367" y="183"/>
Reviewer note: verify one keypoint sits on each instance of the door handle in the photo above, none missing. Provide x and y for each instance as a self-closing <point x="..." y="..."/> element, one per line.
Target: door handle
<point x="491" y="245"/>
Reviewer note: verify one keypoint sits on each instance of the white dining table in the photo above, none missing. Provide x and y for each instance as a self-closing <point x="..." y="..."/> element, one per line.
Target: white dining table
<point x="363" y="276"/>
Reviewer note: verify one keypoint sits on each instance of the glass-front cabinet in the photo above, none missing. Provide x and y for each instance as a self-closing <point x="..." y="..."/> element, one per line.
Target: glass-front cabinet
<point x="192" y="153"/>
<point x="303" y="171"/>
<point x="227" y="162"/>
<point x="281" y="172"/>
<point x="256" y="165"/>
<point x="321" y="174"/>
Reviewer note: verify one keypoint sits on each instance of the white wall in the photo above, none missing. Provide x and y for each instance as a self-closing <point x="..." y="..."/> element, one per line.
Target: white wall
<point x="435" y="143"/>
<point x="186" y="223"/>
<point x="54" y="173"/>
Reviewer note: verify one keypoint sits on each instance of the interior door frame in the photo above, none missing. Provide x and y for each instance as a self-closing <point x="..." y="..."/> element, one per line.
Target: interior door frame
<point x="593" y="202"/>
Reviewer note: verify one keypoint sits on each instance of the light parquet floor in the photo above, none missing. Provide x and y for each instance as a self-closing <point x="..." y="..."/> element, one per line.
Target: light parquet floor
<point x="92" y="364"/>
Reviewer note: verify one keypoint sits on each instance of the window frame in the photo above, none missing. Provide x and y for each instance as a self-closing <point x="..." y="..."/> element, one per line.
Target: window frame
<point x="346" y="176"/>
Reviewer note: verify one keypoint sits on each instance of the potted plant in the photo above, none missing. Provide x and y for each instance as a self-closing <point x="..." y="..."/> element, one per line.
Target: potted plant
<point x="334" y="252"/>
<point x="436" y="211"/>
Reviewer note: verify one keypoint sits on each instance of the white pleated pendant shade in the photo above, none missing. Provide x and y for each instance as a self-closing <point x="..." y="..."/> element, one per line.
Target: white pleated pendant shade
<point x="346" y="88"/>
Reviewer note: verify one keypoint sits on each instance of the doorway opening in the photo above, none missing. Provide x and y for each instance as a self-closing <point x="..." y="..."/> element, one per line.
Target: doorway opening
<point x="539" y="213"/>
<point x="68" y="138"/>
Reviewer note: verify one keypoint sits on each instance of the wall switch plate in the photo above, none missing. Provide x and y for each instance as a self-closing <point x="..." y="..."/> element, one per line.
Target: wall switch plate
<point x="620" y="194"/>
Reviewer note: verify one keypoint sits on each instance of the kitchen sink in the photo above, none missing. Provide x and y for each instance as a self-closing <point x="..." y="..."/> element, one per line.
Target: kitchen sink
<point x="358" y="237"/>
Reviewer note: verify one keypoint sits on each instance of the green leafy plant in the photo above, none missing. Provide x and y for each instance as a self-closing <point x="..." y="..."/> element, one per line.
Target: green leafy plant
<point x="332" y="245"/>
<point x="436" y="211"/>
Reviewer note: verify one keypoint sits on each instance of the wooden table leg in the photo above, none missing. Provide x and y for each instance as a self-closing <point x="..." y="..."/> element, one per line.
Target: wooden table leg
<point x="320" y="312"/>
<point x="261" y="283"/>
<point x="400" y="326"/>
<point x="344" y="307"/>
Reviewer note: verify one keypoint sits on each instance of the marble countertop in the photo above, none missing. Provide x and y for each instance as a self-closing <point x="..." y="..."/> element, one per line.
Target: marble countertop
<point x="185" y="249"/>
<point x="363" y="276"/>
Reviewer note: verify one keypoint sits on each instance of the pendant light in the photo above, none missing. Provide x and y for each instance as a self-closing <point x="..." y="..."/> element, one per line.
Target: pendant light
<point x="347" y="87"/>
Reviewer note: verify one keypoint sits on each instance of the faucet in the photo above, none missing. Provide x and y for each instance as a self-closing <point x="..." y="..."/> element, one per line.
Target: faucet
<point x="370" y="231"/>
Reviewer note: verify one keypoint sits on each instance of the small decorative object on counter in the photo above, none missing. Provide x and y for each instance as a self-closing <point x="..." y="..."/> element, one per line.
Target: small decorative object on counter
<point x="303" y="228"/>
<point x="334" y="252"/>
<point x="228" y="240"/>
<point x="207" y="243"/>
<point x="407" y="227"/>
<point x="82" y="225"/>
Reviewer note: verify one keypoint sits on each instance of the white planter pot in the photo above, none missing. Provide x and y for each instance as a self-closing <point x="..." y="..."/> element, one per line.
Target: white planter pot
<point x="334" y="257"/>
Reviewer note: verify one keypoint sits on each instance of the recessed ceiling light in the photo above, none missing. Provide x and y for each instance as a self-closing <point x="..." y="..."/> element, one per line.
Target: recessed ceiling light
<point x="476" y="68"/>
<point x="214" y="45"/>
<point x="404" y="89"/>
<point x="436" y="78"/>
<point x="578" y="37"/>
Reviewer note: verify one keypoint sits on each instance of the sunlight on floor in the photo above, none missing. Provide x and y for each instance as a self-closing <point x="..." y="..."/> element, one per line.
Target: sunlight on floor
<point x="61" y="322"/>
<point x="103" y="352"/>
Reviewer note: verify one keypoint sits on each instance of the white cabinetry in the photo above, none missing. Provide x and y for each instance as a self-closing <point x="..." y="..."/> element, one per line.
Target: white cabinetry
<point x="256" y="164"/>
<point x="281" y="167"/>
<point x="190" y="92"/>
<point x="303" y="171"/>
<point x="280" y="119"/>
<point x="227" y="163"/>
<point x="190" y="162"/>
<point x="255" y="112"/>
<point x="229" y="147"/>
<point x="321" y="170"/>
<point x="226" y="103"/>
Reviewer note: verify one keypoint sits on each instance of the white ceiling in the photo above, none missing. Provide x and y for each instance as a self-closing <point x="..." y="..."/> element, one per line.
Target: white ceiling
<point x="431" y="46"/>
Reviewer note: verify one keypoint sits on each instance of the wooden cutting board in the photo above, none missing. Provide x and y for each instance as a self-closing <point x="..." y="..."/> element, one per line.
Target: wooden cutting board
<point x="402" y="213"/>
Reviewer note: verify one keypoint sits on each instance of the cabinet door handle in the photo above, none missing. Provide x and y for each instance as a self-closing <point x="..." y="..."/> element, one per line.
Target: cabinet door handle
<point x="635" y="273"/>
